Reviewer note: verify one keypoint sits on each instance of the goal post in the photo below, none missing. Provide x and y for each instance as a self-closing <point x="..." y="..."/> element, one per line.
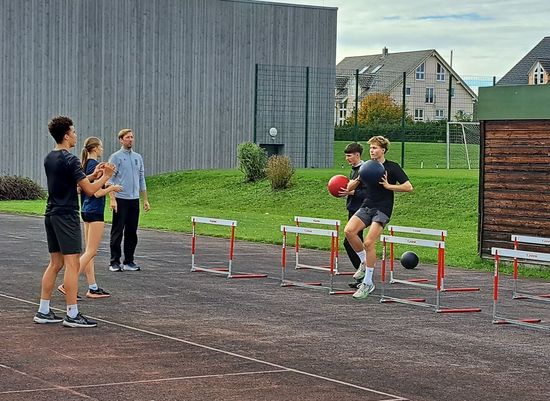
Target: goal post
<point x="463" y="145"/>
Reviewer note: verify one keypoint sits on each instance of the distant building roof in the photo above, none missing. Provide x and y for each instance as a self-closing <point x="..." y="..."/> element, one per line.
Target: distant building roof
<point x="383" y="72"/>
<point x="518" y="75"/>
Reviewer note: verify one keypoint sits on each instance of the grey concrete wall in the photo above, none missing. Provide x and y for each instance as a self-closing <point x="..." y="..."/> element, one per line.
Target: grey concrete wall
<point x="178" y="72"/>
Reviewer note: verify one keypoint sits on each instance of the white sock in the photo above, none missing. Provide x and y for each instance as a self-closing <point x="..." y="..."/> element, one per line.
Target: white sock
<point x="93" y="286"/>
<point x="72" y="311"/>
<point x="362" y="256"/>
<point x="44" y="306"/>
<point x="368" y="275"/>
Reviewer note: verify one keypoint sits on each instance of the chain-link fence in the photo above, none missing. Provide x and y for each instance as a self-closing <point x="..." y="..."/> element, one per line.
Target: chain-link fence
<point x="301" y="106"/>
<point x="292" y="113"/>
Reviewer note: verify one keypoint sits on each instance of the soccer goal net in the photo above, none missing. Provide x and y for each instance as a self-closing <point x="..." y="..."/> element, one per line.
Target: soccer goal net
<point x="463" y="145"/>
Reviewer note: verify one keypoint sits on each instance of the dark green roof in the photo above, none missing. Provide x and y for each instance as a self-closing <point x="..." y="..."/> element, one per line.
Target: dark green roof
<point x="520" y="102"/>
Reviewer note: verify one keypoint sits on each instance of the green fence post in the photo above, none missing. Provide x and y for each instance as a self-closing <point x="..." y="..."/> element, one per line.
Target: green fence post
<point x="403" y="121"/>
<point x="255" y="101"/>
<point x="307" y="120"/>
<point x="355" y="125"/>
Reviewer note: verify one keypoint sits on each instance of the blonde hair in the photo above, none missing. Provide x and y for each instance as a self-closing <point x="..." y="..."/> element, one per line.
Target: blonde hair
<point x="123" y="132"/>
<point x="90" y="144"/>
<point x="381" y="141"/>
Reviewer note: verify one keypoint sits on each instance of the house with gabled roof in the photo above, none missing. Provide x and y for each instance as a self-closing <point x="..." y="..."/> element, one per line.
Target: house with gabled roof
<point x="533" y="69"/>
<point x="424" y="75"/>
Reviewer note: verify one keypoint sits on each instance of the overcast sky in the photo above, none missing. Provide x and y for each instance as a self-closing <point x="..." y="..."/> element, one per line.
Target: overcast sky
<point x="487" y="37"/>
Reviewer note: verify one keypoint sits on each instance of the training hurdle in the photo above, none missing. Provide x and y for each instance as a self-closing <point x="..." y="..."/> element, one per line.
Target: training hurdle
<point x="419" y="282"/>
<point x="225" y="271"/>
<point x="333" y="234"/>
<point x="525" y="239"/>
<point x="328" y="222"/>
<point x="517" y="255"/>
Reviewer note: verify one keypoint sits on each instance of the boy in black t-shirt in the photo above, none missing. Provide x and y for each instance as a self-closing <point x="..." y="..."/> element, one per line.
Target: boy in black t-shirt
<point x="375" y="212"/>
<point x="64" y="173"/>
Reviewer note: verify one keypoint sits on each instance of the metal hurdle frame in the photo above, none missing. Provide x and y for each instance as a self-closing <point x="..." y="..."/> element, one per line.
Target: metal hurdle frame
<point x="228" y="272"/>
<point x="422" y="283"/>
<point x="331" y="269"/>
<point x="525" y="239"/>
<point x="328" y="222"/>
<point x="516" y="254"/>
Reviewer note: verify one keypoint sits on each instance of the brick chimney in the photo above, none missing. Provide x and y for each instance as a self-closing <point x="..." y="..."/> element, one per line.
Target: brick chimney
<point x="384" y="51"/>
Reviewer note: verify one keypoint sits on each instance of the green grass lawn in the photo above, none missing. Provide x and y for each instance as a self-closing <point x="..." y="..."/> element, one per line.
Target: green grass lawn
<point x="442" y="199"/>
<point x="419" y="155"/>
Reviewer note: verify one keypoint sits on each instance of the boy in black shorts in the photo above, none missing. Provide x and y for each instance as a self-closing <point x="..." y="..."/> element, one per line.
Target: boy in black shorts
<point x="375" y="212"/>
<point x="64" y="172"/>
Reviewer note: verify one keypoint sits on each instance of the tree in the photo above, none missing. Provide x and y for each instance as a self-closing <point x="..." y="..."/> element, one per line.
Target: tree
<point x="377" y="108"/>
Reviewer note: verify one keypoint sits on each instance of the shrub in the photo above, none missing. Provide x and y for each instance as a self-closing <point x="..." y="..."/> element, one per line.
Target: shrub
<point x="19" y="188"/>
<point x="279" y="171"/>
<point x="252" y="161"/>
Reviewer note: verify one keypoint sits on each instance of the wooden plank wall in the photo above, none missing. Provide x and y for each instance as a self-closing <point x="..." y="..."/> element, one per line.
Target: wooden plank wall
<point x="514" y="183"/>
<point x="178" y="72"/>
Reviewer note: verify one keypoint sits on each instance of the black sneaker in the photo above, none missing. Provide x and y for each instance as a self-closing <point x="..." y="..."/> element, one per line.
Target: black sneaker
<point x="355" y="285"/>
<point x="131" y="266"/>
<point x="49" y="317"/>
<point x="115" y="267"/>
<point x="99" y="293"/>
<point x="61" y="289"/>
<point x="78" y="321"/>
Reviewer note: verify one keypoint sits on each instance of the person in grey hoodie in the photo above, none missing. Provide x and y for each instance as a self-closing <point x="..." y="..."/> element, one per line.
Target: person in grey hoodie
<point x="130" y="174"/>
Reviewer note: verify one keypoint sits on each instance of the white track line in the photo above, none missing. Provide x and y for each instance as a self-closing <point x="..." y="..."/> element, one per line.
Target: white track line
<point x="84" y="386"/>
<point x="274" y="365"/>
<point x="54" y="386"/>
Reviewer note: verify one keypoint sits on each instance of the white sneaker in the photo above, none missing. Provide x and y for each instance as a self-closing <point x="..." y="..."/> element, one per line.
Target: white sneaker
<point x="363" y="291"/>
<point x="360" y="273"/>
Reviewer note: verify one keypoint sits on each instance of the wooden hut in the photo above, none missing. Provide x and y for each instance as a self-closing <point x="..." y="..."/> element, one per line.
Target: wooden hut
<point x="514" y="185"/>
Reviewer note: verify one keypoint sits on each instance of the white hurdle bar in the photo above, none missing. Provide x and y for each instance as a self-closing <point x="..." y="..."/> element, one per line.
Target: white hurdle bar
<point x="438" y="286"/>
<point x="522" y="255"/>
<point x="327" y="222"/>
<point x="333" y="244"/>
<point x="422" y="282"/>
<point x="526" y="239"/>
<point x="228" y="272"/>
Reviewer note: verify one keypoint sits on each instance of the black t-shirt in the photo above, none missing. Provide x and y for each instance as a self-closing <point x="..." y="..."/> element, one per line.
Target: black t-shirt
<point x="354" y="202"/>
<point x="379" y="197"/>
<point x="63" y="171"/>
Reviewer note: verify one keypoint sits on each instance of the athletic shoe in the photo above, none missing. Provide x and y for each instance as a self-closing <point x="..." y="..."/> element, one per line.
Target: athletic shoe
<point x="99" y="293"/>
<point x="360" y="273"/>
<point x="131" y="266"/>
<point x="355" y="285"/>
<point x="363" y="291"/>
<point x="61" y="289"/>
<point x="49" y="317"/>
<point x="115" y="267"/>
<point x="78" y="321"/>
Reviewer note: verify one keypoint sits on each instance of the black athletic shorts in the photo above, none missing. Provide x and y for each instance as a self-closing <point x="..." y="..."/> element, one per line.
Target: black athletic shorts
<point x="63" y="233"/>
<point x="367" y="216"/>
<point x="90" y="217"/>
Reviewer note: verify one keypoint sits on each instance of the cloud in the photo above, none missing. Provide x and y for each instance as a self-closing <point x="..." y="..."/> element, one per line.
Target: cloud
<point x="463" y="17"/>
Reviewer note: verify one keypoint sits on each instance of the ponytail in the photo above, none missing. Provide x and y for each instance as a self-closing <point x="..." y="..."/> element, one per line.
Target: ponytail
<point x="89" y="144"/>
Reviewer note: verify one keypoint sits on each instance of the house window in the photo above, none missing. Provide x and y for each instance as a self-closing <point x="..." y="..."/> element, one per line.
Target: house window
<point x="538" y="78"/>
<point x="376" y="69"/>
<point x="342" y="112"/>
<point x="364" y="69"/>
<point x="452" y="92"/>
<point x="429" y="95"/>
<point x="440" y="114"/>
<point x="408" y="91"/>
<point x="440" y="74"/>
<point x="420" y="71"/>
<point x="418" y="114"/>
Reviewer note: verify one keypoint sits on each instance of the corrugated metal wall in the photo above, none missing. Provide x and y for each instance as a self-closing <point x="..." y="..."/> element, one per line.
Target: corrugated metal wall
<point x="178" y="72"/>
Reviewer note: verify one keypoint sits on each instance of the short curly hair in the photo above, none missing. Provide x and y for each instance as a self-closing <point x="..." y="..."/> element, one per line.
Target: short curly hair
<point x="379" y="140"/>
<point x="59" y="126"/>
